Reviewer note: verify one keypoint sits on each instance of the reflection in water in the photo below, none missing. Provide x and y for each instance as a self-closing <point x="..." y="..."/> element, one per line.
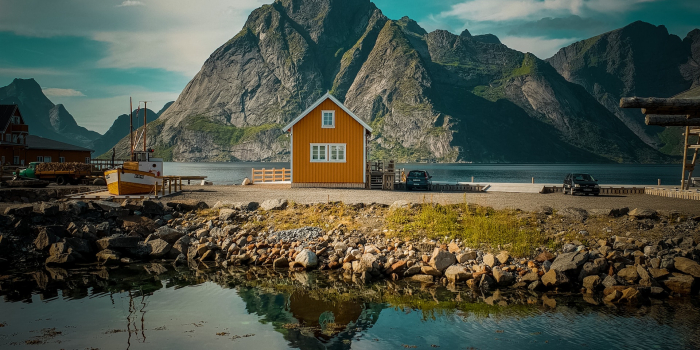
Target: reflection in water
<point x="147" y="306"/>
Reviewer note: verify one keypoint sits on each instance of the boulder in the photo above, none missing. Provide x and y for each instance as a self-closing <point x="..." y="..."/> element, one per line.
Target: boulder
<point x="48" y="208"/>
<point x="632" y="295"/>
<point x="569" y="261"/>
<point x="453" y="247"/>
<point x="466" y="256"/>
<point x="429" y="270"/>
<point x="422" y="278"/>
<point x="227" y="214"/>
<point x="642" y="213"/>
<point x="457" y="273"/>
<point x="45" y="239"/>
<point x="180" y="260"/>
<point x="576" y="214"/>
<point x="187" y="205"/>
<point x="489" y="260"/>
<point x="503" y="257"/>
<point x="591" y="283"/>
<point x="169" y="234"/>
<point x="544" y="256"/>
<point x="609" y="281"/>
<point x="246" y="182"/>
<point x="62" y="259"/>
<point x="399" y="204"/>
<point x="152" y="207"/>
<point x="658" y="273"/>
<point x="413" y="270"/>
<point x="487" y="283"/>
<point x="503" y="278"/>
<point x="118" y="242"/>
<point x="158" y="248"/>
<point x="307" y="259"/>
<point x="280" y="263"/>
<point x="368" y="262"/>
<point x="554" y="278"/>
<point x="442" y="259"/>
<point x="19" y="210"/>
<point x="274" y="204"/>
<point x="629" y="274"/>
<point x="679" y="283"/>
<point x="688" y="266"/>
<point x="108" y="257"/>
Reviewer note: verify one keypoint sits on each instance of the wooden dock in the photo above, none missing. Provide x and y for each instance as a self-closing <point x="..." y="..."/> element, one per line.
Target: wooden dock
<point x="603" y="189"/>
<point x="105" y="195"/>
<point x="693" y="194"/>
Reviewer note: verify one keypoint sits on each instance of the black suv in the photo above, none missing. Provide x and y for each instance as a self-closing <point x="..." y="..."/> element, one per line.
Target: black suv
<point x="581" y="183"/>
<point x="418" y="179"/>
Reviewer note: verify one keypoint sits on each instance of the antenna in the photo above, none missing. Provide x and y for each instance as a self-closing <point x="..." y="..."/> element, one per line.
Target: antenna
<point x="145" y="112"/>
<point x="131" y="129"/>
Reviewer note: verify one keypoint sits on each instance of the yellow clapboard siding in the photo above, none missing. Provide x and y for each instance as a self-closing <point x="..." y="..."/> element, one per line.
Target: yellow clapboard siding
<point x="308" y="130"/>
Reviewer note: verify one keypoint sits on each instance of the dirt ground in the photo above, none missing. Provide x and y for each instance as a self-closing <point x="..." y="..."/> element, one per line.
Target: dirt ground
<point x="497" y="200"/>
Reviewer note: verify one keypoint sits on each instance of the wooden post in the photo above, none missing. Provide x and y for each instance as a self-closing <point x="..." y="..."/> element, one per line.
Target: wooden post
<point x="659" y="182"/>
<point x="685" y="156"/>
<point x="472" y="178"/>
<point x="533" y="179"/>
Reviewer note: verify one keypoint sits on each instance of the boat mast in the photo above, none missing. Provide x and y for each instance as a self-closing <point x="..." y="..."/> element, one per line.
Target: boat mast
<point x="145" y="111"/>
<point x="131" y="128"/>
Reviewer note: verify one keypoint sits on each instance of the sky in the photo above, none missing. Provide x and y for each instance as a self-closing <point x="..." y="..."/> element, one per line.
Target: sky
<point x="92" y="55"/>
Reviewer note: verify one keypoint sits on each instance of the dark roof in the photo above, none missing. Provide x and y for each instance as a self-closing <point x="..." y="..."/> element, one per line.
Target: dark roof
<point x="36" y="142"/>
<point x="6" y="112"/>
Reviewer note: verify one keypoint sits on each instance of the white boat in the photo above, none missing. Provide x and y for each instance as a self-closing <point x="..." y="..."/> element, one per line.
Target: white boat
<point x="141" y="174"/>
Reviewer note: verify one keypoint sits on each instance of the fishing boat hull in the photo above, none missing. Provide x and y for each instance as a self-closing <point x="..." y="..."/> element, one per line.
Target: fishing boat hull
<point x="127" y="182"/>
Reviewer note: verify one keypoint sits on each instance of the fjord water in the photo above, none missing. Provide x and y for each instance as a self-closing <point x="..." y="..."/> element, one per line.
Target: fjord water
<point x="607" y="174"/>
<point x="155" y="306"/>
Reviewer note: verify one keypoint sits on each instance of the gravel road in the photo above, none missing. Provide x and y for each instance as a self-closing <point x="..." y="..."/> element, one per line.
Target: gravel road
<point x="498" y="200"/>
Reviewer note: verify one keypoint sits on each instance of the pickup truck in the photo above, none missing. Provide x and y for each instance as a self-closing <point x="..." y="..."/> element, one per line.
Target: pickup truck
<point x="67" y="173"/>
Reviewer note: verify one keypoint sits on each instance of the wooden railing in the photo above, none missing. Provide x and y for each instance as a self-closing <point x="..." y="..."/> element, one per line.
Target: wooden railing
<point x="103" y="164"/>
<point x="271" y="175"/>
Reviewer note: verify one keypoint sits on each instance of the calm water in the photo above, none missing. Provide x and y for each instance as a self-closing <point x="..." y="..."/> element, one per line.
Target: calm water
<point x="614" y="174"/>
<point x="154" y="306"/>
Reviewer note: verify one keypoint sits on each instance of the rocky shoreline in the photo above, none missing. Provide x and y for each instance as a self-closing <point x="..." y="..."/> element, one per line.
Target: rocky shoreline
<point x="618" y="269"/>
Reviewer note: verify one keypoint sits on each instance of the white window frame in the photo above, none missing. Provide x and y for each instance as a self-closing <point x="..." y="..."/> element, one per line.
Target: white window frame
<point x="323" y="119"/>
<point x="87" y="160"/>
<point x="47" y="159"/>
<point x="327" y="153"/>
<point x="40" y="159"/>
<point x="61" y="159"/>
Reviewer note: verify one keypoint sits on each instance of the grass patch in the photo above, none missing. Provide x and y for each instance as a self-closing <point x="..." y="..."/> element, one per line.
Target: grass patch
<point x="477" y="226"/>
<point x="226" y="135"/>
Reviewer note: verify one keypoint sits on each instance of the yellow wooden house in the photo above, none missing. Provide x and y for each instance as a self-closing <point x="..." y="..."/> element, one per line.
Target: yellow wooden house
<point x="328" y="146"/>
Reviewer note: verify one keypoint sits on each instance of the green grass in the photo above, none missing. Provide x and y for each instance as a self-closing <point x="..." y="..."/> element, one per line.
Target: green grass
<point x="226" y="135"/>
<point x="475" y="225"/>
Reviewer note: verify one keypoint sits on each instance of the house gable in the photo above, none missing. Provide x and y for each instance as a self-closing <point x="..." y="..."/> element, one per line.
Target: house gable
<point x="325" y="97"/>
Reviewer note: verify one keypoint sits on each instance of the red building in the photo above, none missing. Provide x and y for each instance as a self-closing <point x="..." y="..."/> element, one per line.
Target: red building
<point x="17" y="147"/>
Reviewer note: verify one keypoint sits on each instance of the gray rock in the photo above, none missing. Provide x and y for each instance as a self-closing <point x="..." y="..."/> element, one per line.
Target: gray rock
<point x="642" y="213"/>
<point x="62" y="259"/>
<point x="569" y="261"/>
<point x="687" y="266"/>
<point x="487" y="283"/>
<point x="280" y="263"/>
<point x="158" y="248"/>
<point x="591" y="282"/>
<point x="117" y="241"/>
<point x="594" y="267"/>
<point x="307" y="259"/>
<point x="576" y="214"/>
<point x="45" y="239"/>
<point x="457" y="273"/>
<point x="181" y="260"/>
<point x="48" y="209"/>
<point x="415" y="269"/>
<point x="554" y="278"/>
<point x="20" y="210"/>
<point x="679" y="283"/>
<point x="274" y="204"/>
<point x="489" y="260"/>
<point x="503" y="278"/>
<point x="168" y="234"/>
<point x="108" y="257"/>
<point x="609" y="281"/>
<point x="227" y="214"/>
<point x="399" y="204"/>
<point x="466" y="256"/>
<point x="531" y="276"/>
<point x="442" y="259"/>
<point x="421" y="278"/>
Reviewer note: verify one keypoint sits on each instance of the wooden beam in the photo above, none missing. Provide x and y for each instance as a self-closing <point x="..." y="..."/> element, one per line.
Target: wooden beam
<point x="692" y="113"/>
<point x="655" y="102"/>
<point x="665" y="120"/>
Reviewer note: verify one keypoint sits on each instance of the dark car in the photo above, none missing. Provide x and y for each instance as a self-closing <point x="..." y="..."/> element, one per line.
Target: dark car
<point x="418" y="179"/>
<point x="581" y="183"/>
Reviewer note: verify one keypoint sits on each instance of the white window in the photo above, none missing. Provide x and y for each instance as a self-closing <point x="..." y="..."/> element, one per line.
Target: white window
<point x="40" y="159"/>
<point x="328" y="119"/>
<point x="14" y="138"/>
<point x="61" y="159"/>
<point x="15" y="160"/>
<point x="87" y="160"/>
<point x="318" y="153"/>
<point x="47" y="159"/>
<point x="328" y="152"/>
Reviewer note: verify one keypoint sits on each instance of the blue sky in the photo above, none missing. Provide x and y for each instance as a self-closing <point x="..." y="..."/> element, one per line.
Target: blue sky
<point x="92" y="55"/>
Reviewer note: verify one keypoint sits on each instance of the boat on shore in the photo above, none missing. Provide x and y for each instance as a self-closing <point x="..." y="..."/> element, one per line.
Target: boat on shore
<point x="142" y="173"/>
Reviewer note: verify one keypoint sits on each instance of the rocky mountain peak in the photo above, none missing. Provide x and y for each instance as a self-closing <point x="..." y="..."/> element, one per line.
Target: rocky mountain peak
<point x="466" y="34"/>
<point x="411" y="26"/>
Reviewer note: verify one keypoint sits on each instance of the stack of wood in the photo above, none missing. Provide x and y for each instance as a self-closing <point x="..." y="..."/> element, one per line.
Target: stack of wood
<point x="72" y="167"/>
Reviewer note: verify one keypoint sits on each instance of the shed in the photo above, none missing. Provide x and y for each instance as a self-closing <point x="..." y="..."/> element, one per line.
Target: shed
<point x="328" y="146"/>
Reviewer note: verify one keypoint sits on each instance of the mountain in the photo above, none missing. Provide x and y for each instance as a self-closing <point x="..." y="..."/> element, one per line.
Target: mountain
<point x="637" y="60"/>
<point x="43" y="117"/>
<point x="120" y="129"/>
<point x="427" y="95"/>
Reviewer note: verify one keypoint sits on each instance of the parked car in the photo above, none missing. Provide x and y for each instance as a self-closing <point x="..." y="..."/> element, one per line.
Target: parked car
<point x="418" y="179"/>
<point x="581" y="183"/>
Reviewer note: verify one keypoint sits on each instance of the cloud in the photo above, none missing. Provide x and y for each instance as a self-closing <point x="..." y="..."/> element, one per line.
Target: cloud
<point x="17" y="72"/>
<point x="131" y="3"/>
<point x="540" y="46"/>
<point x="559" y="27"/>
<point x="507" y="10"/>
<point x="175" y="35"/>
<point x="55" y="92"/>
